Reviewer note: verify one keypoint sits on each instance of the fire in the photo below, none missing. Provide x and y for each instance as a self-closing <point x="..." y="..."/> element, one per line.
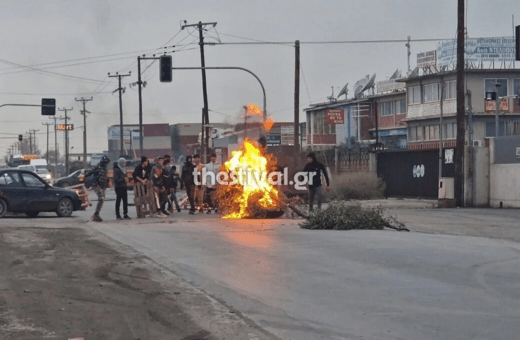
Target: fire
<point x="253" y="110"/>
<point x="250" y="190"/>
<point x="268" y="124"/>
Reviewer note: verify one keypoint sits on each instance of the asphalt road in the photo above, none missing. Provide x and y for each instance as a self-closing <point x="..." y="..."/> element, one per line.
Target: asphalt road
<point x="300" y="284"/>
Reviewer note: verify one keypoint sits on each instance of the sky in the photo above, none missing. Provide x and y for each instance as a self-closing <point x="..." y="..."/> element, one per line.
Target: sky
<point x="71" y="46"/>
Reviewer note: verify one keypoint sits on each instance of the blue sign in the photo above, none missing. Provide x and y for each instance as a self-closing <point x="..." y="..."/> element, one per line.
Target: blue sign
<point x="274" y="139"/>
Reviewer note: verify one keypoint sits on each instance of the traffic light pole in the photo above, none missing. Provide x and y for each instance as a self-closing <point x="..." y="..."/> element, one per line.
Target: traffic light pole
<point x="140" y="86"/>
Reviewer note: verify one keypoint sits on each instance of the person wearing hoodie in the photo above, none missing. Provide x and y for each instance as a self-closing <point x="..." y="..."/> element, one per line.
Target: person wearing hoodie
<point x="315" y="170"/>
<point x="99" y="184"/>
<point x="120" y="186"/>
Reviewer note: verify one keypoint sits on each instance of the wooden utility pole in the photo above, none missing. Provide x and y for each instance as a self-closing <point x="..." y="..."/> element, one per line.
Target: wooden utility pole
<point x="461" y="128"/>
<point x="205" y="112"/>
<point x="120" y="89"/>
<point x="66" y="140"/>
<point x="47" y="157"/>
<point x="296" y="104"/>
<point x="84" y="113"/>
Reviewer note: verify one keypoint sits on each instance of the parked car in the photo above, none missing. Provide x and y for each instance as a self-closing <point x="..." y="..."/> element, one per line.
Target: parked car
<point x="23" y="191"/>
<point x="73" y="179"/>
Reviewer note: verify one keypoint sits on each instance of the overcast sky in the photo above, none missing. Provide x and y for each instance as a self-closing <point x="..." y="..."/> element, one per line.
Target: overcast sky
<point x="52" y="35"/>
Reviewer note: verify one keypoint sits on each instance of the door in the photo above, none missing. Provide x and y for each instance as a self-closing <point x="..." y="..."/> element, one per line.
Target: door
<point x="39" y="198"/>
<point x="12" y="190"/>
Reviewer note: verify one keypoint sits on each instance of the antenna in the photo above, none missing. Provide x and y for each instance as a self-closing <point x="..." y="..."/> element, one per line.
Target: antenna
<point x="331" y="98"/>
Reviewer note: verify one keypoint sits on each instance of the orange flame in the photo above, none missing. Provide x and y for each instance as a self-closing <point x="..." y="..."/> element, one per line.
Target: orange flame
<point x="253" y="110"/>
<point x="268" y="124"/>
<point x="250" y="167"/>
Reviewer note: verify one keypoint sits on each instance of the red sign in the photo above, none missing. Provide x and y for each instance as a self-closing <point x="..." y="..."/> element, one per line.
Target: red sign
<point x="503" y="105"/>
<point x="335" y="116"/>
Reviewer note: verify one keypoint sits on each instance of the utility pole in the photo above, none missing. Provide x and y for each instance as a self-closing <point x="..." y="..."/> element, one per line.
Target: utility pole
<point x="47" y="157"/>
<point x="31" y="141"/>
<point x="84" y="113"/>
<point x="55" y="147"/>
<point x="461" y="129"/>
<point x="296" y="104"/>
<point x="119" y="76"/>
<point x="205" y="115"/>
<point x="66" y="140"/>
<point x="141" y="142"/>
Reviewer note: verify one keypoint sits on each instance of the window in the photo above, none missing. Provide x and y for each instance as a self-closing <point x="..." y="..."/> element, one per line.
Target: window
<point x="11" y="179"/>
<point x="489" y="86"/>
<point x="450" y="89"/>
<point x="426" y="133"/>
<point x="320" y="128"/>
<point x="512" y="127"/>
<point x="419" y="132"/>
<point x="413" y="133"/>
<point x="387" y="109"/>
<point x="516" y="87"/>
<point x="400" y="107"/>
<point x="414" y="95"/>
<point x="309" y="123"/>
<point x="431" y="93"/>
<point x="450" y="131"/>
<point x="32" y="181"/>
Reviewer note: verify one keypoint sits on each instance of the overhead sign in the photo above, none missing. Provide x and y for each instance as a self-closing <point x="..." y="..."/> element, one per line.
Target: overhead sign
<point x="426" y="59"/>
<point x="63" y="127"/>
<point x="477" y="50"/>
<point x="335" y="116"/>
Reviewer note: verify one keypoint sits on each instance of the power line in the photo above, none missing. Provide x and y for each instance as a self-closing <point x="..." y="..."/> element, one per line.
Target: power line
<point x="328" y="42"/>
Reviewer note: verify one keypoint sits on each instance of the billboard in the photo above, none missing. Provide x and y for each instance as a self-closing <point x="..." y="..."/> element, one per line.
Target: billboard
<point x="477" y="50"/>
<point x="335" y="116"/>
<point x="425" y="59"/>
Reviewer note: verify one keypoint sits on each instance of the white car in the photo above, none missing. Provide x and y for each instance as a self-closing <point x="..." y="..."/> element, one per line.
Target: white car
<point x="40" y="170"/>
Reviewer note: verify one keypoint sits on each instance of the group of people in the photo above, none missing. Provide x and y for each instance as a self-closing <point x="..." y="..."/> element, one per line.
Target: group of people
<point x="166" y="182"/>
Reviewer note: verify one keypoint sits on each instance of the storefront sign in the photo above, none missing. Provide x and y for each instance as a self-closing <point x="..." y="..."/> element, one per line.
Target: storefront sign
<point x="426" y="59"/>
<point x="477" y="50"/>
<point x="335" y="116"/>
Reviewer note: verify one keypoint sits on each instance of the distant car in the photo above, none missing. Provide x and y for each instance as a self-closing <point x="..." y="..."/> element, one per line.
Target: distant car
<point x="43" y="173"/>
<point x="23" y="191"/>
<point x="73" y="179"/>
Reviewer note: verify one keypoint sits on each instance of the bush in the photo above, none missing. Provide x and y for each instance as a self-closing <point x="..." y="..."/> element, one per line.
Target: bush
<point x="338" y="216"/>
<point x="356" y="186"/>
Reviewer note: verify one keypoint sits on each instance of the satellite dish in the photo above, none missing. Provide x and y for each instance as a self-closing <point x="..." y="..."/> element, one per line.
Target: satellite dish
<point x="396" y="75"/>
<point x="344" y="91"/>
<point x="363" y="84"/>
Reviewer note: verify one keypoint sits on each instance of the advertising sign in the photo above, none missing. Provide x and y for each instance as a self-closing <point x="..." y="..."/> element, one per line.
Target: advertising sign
<point x="503" y="106"/>
<point x="335" y="116"/>
<point x="274" y="140"/>
<point x="426" y="59"/>
<point x="477" y="50"/>
<point x="63" y="127"/>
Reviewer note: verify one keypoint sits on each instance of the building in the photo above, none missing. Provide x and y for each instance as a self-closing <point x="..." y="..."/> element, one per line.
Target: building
<point x="156" y="141"/>
<point x="429" y="95"/>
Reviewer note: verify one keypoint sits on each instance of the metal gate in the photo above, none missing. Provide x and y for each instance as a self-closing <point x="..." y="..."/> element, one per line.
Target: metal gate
<point x="414" y="173"/>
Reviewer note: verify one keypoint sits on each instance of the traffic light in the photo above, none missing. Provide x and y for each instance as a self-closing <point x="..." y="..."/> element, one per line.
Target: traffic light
<point x="517" y="41"/>
<point x="165" y="68"/>
<point x="20" y="138"/>
<point x="48" y="107"/>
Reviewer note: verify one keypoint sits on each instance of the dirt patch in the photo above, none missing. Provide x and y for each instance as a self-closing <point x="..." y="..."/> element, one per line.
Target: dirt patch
<point x="62" y="283"/>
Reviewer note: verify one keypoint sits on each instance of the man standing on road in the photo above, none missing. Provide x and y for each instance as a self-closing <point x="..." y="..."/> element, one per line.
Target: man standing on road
<point x="161" y="194"/>
<point x="99" y="184"/>
<point x="315" y="170"/>
<point x="173" y="176"/>
<point x="199" y="189"/>
<point x="187" y="175"/>
<point x="120" y="186"/>
<point x="212" y="167"/>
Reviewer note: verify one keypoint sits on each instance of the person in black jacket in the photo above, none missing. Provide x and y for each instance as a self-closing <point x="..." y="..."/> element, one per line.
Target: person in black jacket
<point x="315" y="170"/>
<point x="120" y="186"/>
<point x="142" y="171"/>
<point x="99" y="184"/>
<point x="160" y="187"/>
<point x="187" y="175"/>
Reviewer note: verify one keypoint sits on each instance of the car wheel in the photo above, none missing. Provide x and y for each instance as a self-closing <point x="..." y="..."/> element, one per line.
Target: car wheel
<point x="32" y="214"/>
<point x="3" y="208"/>
<point x="65" y="208"/>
